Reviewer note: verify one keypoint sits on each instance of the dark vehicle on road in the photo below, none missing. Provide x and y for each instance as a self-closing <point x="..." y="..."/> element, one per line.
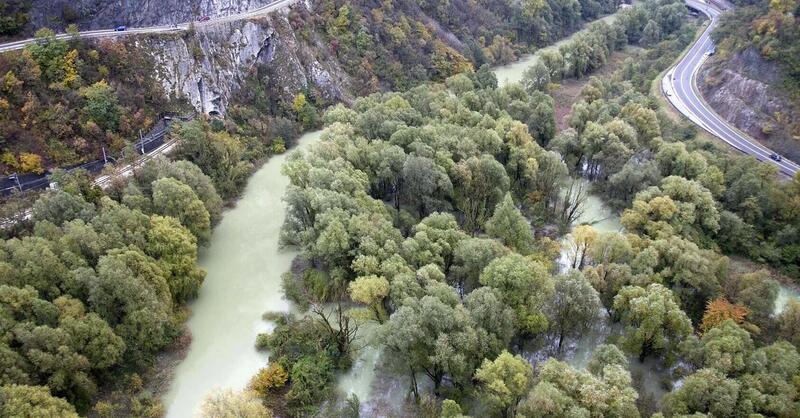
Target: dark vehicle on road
<point x="776" y="157"/>
<point x="204" y="19"/>
<point x="121" y="28"/>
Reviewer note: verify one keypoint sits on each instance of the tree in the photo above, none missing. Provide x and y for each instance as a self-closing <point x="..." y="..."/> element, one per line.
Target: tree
<point x="757" y="292"/>
<point x="693" y="274"/>
<point x="30" y="163"/>
<point x="579" y="242"/>
<point x="725" y="348"/>
<point x="471" y="256"/>
<point x="102" y="106"/>
<point x="434" y="241"/>
<point x="510" y="226"/>
<point x="230" y="404"/>
<point x="679" y="206"/>
<point x="536" y="77"/>
<point x="654" y="323"/>
<point x="524" y="285"/>
<point x="175" y="199"/>
<point x="503" y="382"/>
<point x="371" y="290"/>
<point x="425" y="185"/>
<point x="707" y="391"/>
<point x="269" y="378"/>
<point x="33" y="402"/>
<point x="218" y="154"/>
<point x="789" y="322"/>
<point x="570" y="205"/>
<point x="606" y="355"/>
<point x="651" y="34"/>
<point x="175" y="250"/>
<point x="563" y="391"/>
<point x="479" y="183"/>
<point x="608" y="279"/>
<point x="573" y="308"/>
<point x="59" y="207"/>
<point x="720" y="310"/>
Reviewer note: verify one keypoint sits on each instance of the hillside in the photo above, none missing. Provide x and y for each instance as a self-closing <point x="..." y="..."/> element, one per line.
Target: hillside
<point x="326" y="52"/>
<point x="754" y="79"/>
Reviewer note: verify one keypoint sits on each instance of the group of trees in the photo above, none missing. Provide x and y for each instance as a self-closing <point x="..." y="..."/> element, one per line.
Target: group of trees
<point x="95" y="288"/>
<point x="773" y="27"/>
<point x="418" y="206"/>
<point x="62" y="100"/>
<point x="13" y="17"/>
<point x="645" y="24"/>
<point x="671" y="183"/>
<point x="394" y="45"/>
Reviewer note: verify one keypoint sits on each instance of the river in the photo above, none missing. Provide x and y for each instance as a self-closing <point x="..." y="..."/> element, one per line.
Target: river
<point x="244" y="266"/>
<point x="512" y="73"/>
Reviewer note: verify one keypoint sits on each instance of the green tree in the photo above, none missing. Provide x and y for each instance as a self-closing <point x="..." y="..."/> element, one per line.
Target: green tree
<point x="471" y="256"/>
<point x="510" y="226"/>
<point x="102" y="106"/>
<point x="524" y="285"/>
<point x="59" y="207"/>
<point x="175" y="250"/>
<point x="651" y="34"/>
<point x="370" y="290"/>
<point x="503" y="382"/>
<point x="789" y="322"/>
<point x="563" y="391"/>
<point x="725" y="348"/>
<point x="654" y="323"/>
<point x="573" y="308"/>
<point x="33" y="402"/>
<point x="175" y="199"/>
<point x="479" y="183"/>
<point x="707" y="391"/>
<point x="536" y="77"/>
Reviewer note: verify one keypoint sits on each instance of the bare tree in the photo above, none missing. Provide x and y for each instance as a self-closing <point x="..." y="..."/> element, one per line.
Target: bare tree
<point x="343" y="329"/>
<point x="571" y="203"/>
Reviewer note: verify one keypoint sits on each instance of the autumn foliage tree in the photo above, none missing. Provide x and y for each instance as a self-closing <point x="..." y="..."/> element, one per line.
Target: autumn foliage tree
<point x="720" y="310"/>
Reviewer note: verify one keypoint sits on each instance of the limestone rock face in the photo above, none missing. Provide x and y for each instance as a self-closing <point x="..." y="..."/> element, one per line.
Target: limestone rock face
<point x="209" y="65"/>
<point x="103" y="14"/>
<point x="747" y="91"/>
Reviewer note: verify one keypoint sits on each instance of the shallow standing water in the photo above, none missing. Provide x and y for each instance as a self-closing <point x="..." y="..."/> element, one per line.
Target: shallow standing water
<point x="244" y="266"/>
<point x="785" y="294"/>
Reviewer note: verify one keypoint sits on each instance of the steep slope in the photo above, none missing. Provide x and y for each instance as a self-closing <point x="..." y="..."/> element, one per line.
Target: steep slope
<point x="754" y="78"/>
<point x="97" y="14"/>
<point x="749" y="92"/>
<point x="210" y="65"/>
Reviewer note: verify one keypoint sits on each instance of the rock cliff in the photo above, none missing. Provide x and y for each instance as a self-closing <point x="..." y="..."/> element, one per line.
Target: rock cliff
<point x="102" y="14"/>
<point x="208" y="65"/>
<point x="747" y="91"/>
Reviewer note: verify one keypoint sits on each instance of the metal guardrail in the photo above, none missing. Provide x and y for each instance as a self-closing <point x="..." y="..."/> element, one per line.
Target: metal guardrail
<point x="153" y="140"/>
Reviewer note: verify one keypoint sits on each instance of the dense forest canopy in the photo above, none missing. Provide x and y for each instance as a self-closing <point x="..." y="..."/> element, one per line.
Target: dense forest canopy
<point x="418" y="206"/>
<point x="430" y="215"/>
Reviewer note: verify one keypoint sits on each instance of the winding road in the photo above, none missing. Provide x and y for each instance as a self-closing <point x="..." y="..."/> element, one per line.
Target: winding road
<point x="110" y="33"/>
<point x="680" y="87"/>
<point x="679" y="84"/>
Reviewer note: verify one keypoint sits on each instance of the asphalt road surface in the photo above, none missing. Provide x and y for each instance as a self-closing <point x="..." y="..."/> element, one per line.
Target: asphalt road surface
<point x="110" y="33"/>
<point x="680" y="86"/>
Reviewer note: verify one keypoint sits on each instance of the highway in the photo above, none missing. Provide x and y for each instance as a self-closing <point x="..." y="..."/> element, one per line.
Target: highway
<point x="680" y="87"/>
<point x="111" y="33"/>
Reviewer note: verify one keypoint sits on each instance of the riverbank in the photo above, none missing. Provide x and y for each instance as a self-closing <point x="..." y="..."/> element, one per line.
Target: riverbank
<point x="244" y="263"/>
